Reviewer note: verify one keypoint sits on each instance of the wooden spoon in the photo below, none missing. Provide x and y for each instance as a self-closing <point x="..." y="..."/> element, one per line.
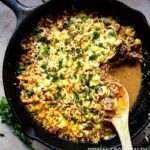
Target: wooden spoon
<point x="120" y="120"/>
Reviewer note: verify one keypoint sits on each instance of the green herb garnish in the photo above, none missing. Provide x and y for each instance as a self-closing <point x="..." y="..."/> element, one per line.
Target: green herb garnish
<point x="44" y="66"/>
<point x="69" y="33"/>
<point x="56" y="96"/>
<point x="95" y="35"/>
<point x="84" y="94"/>
<point x="90" y="98"/>
<point x="100" y="44"/>
<point x="30" y="93"/>
<point x="39" y="57"/>
<point x="113" y="33"/>
<point x="60" y="63"/>
<point x="78" y="101"/>
<point x="54" y="77"/>
<point x="84" y="110"/>
<point x="20" y="68"/>
<point x="75" y="95"/>
<point x="77" y="27"/>
<point x="5" y="114"/>
<point x="67" y="41"/>
<point x="33" y="113"/>
<point x="48" y="76"/>
<point x="84" y="18"/>
<point x="85" y="81"/>
<point x="70" y="22"/>
<point x="96" y="88"/>
<point x="79" y="64"/>
<point x="38" y="30"/>
<point x="93" y="56"/>
<point x="67" y="24"/>
<point x="107" y="21"/>
<point x="74" y="58"/>
<point x="74" y="75"/>
<point x="89" y="124"/>
<point x="59" y="88"/>
<point x="78" y="51"/>
<point x="38" y="37"/>
<point x="8" y="118"/>
<point x="61" y="76"/>
<point x="46" y="51"/>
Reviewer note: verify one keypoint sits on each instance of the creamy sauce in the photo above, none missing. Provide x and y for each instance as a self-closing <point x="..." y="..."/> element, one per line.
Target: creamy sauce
<point x="130" y="77"/>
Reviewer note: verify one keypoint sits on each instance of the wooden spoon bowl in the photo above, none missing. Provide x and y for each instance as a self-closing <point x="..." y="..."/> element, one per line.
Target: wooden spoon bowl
<point x="120" y="120"/>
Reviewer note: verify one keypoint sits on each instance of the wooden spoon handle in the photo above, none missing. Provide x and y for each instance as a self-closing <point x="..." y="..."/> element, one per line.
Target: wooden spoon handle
<point x="121" y="125"/>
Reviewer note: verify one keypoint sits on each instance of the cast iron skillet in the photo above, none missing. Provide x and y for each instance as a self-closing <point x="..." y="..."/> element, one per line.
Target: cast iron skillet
<point x="27" y="19"/>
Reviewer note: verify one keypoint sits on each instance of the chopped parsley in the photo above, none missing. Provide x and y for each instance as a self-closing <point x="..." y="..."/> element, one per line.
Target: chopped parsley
<point x="78" y="101"/>
<point x="61" y="76"/>
<point x="89" y="124"/>
<point x="56" y="96"/>
<point x="60" y="63"/>
<point x="74" y="58"/>
<point x="84" y="94"/>
<point x="84" y="18"/>
<point x="44" y="66"/>
<point x="79" y="64"/>
<point x="33" y="113"/>
<point x="85" y="81"/>
<point x="103" y="53"/>
<point x="67" y="24"/>
<point x="59" y="88"/>
<point x="54" y="77"/>
<point x="113" y="33"/>
<point x="96" y="88"/>
<point x="44" y="40"/>
<point x="38" y="37"/>
<point x="46" y="51"/>
<point x="93" y="56"/>
<point x="106" y="21"/>
<point x="38" y="30"/>
<point x="90" y="98"/>
<point x="69" y="33"/>
<point x="20" y="68"/>
<point x="39" y="57"/>
<point x="77" y="27"/>
<point x="30" y="93"/>
<point x="74" y="75"/>
<point x="95" y="35"/>
<point x="48" y="76"/>
<point x="78" y="51"/>
<point x="100" y="44"/>
<point x="84" y="110"/>
<point x="67" y="41"/>
<point x="70" y="22"/>
<point x="75" y="95"/>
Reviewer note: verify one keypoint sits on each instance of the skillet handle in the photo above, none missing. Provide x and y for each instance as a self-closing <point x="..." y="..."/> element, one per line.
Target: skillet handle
<point x="20" y="10"/>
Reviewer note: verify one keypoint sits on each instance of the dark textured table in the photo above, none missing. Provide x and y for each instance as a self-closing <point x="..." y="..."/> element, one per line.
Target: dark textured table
<point x="7" y="26"/>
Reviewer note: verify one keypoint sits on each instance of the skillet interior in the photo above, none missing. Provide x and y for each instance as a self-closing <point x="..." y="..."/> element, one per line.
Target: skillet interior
<point x="127" y="16"/>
